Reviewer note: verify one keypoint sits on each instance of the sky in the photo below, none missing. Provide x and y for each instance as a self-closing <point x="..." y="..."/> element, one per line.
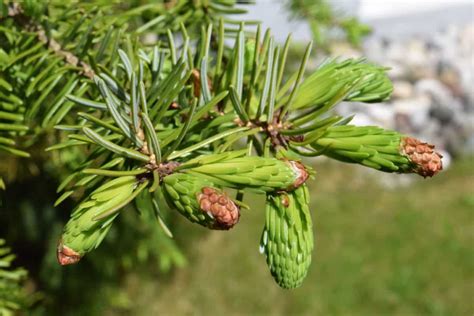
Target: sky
<point x="378" y="13"/>
<point x="376" y="9"/>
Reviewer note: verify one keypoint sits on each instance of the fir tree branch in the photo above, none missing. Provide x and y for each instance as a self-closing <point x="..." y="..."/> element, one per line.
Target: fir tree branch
<point x="16" y="12"/>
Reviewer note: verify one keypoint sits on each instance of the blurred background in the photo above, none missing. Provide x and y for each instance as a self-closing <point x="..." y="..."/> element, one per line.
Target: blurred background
<point x="385" y="244"/>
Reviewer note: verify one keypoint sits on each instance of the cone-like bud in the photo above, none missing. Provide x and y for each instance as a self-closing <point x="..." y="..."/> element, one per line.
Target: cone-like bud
<point x="257" y="174"/>
<point x="427" y="161"/>
<point x="87" y="228"/>
<point x="380" y="149"/>
<point x="200" y="201"/>
<point x="287" y="239"/>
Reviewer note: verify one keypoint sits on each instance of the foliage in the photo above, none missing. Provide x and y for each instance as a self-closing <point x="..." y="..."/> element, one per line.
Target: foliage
<point x="12" y="297"/>
<point x="327" y="23"/>
<point x="173" y="106"/>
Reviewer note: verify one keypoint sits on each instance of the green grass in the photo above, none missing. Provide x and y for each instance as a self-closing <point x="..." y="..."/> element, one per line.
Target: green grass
<point x="379" y="251"/>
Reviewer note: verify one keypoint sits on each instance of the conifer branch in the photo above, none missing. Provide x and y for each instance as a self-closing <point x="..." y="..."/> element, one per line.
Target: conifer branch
<point x="202" y="107"/>
<point x="16" y="12"/>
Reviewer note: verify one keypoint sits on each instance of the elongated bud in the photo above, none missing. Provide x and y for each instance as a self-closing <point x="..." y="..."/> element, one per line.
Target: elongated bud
<point x="87" y="228"/>
<point x="384" y="150"/>
<point x="354" y="78"/>
<point x="200" y="201"/>
<point x="257" y="174"/>
<point x="287" y="238"/>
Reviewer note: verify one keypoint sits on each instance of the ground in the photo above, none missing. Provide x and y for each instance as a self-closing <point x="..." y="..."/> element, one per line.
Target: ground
<point x="379" y="251"/>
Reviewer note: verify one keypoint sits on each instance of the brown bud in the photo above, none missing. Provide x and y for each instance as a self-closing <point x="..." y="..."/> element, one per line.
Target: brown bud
<point x="220" y="206"/>
<point x="301" y="172"/>
<point x="66" y="255"/>
<point x="196" y="82"/>
<point x="427" y="160"/>
<point x="165" y="169"/>
<point x="174" y="106"/>
<point x="285" y="201"/>
<point x="196" y="77"/>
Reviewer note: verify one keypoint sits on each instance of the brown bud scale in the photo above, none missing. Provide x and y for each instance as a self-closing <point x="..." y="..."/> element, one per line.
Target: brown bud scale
<point x="165" y="169"/>
<point x="301" y="172"/>
<point x="196" y="77"/>
<point x="217" y="204"/>
<point x="66" y="255"/>
<point x="285" y="201"/>
<point x="427" y="161"/>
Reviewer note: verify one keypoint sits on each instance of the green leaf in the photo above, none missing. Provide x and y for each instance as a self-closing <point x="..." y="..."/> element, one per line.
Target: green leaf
<point x="126" y="152"/>
<point x="267" y="82"/>
<point x="161" y="221"/>
<point x="273" y="86"/>
<point x="63" y="197"/>
<point x="126" y="63"/>
<point x="99" y="122"/>
<point x="13" y="127"/>
<point x="87" y="102"/>
<point x="301" y="70"/>
<point x="115" y="173"/>
<point x="151" y="135"/>
<point x="234" y="98"/>
<point x="115" y="111"/>
<point x="183" y="130"/>
<point x="206" y="92"/>
<point x="206" y="142"/>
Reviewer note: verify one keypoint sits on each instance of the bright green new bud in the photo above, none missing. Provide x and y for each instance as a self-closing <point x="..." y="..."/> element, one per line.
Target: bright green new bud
<point x="200" y="201"/>
<point x="258" y="174"/>
<point x="380" y="149"/>
<point x="351" y="80"/>
<point x="92" y="219"/>
<point x="287" y="239"/>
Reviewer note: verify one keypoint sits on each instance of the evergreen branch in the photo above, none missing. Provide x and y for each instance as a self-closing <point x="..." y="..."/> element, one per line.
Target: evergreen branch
<point x="170" y="98"/>
<point x="16" y="12"/>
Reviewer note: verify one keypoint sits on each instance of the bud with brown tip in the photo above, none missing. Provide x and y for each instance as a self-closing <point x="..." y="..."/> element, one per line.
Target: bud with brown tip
<point x="252" y="173"/>
<point x="86" y="228"/>
<point x="384" y="150"/>
<point x="301" y="172"/>
<point x="200" y="201"/>
<point x="220" y="206"/>
<point x="427" y="161"/>
<point x="66" y="255"/>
